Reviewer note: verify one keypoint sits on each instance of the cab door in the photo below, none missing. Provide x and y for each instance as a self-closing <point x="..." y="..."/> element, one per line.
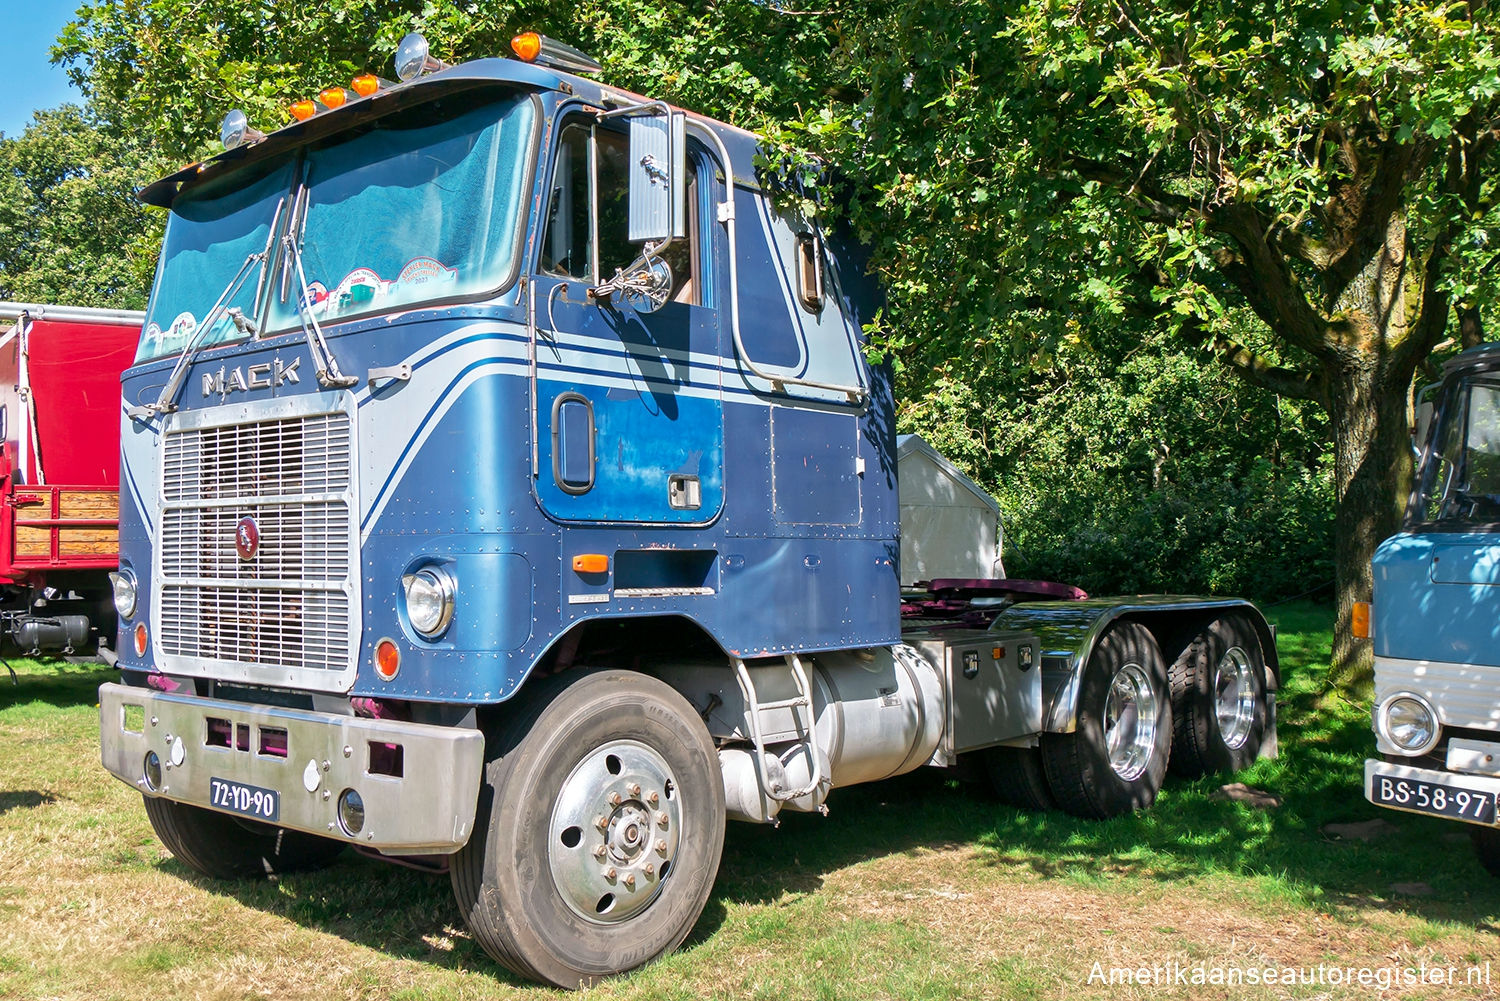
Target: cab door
<point x="629" y="412"/>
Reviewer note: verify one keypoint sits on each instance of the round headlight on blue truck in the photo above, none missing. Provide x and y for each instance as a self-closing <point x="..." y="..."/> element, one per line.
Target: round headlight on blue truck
<point x="1409" y="724"/>
<point x="123" y="583"/>
<point x="429" y="599"/>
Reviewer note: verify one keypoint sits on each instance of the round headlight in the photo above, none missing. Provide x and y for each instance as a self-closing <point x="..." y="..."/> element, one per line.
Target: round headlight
<point x="123" y="583"/>
<point x="1409" y="724"/>
<point x="429" y="599"/>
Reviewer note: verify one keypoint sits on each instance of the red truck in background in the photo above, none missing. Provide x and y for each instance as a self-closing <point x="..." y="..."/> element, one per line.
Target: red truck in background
<point x="60" y="472"/>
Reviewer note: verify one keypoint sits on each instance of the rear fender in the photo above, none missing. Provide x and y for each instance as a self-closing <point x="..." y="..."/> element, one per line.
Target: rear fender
<point x="1069" y="631"/>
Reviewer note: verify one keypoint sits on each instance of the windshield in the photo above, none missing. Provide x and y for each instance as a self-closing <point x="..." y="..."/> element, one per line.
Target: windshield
<point x="211" y="231"/>
<point x="1459" y="483"/>
<point x="422" y="206"/>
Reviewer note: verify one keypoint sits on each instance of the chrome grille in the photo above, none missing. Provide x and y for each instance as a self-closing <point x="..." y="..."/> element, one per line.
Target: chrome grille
<point x="289" y="607"/>
<point x="307" y="455"/>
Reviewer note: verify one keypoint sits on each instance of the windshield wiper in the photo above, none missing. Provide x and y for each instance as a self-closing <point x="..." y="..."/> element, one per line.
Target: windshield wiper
<point x="324" y="362"/>
<point x="166" y="402"/>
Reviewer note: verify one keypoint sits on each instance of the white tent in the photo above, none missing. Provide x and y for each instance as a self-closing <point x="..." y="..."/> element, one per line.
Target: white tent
<point x="950" y="527"/>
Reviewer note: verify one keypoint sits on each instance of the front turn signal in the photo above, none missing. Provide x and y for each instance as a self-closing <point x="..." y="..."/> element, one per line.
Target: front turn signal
<point x="1359" y="620"/>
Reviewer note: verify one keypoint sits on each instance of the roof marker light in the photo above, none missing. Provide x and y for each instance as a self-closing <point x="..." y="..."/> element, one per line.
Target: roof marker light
<point x="304" y="109"/>
<point x="334" y="97"/>
<point x="236" y="131"/>
<point x="532" y="47"/>
<point x="366" y="84"/>
<point x="413" y="58"/>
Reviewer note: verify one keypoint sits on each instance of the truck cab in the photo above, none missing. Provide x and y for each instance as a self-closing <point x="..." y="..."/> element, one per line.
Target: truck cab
<point x="1435" y="619"/>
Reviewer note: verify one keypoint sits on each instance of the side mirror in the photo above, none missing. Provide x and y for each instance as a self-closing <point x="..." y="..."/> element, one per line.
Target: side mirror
<point x="1424" y="425"/>
<point x="658" y="177"/>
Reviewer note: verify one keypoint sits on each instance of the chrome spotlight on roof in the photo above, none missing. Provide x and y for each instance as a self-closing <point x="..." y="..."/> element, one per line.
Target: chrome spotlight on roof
<point x="236" y="130"/>
<point x="413" y="58"/>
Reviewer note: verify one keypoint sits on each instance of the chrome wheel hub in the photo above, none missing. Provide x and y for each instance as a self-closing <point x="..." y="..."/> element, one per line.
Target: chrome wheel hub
<point x="1234" y="697"/>
<point x="614" y="831"/>
<point x="1131" y="717"/>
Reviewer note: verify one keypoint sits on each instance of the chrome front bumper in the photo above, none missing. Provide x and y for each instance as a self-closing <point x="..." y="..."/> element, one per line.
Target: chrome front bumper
<point x="419" y="799"/>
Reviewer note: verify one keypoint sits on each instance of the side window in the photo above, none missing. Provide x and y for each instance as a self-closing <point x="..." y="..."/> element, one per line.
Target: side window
<point x="567" y="250"/>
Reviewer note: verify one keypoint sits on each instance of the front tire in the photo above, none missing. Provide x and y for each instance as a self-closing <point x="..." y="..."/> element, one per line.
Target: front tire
<point x="1487" y="848"/>
<point x="599" y="829"/>
<point x="225" y="847"/>
<point x="1219" y="699"/>
<point x="1116" y="757"/>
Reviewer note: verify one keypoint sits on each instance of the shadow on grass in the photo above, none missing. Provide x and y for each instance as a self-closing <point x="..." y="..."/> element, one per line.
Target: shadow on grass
<point x="1188" y="834"/>
<point x="24" y="799"/>
<point x="56" y="683"/>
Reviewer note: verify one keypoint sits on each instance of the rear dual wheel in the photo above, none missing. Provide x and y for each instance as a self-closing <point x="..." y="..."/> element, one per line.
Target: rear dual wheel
<point x="1116" y="757"/>
<point x="1219" y="702"/>
<point x="599" y="830"/>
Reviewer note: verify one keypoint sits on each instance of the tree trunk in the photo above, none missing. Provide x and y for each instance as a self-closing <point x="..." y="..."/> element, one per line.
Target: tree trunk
<point x="1372" y="477"/>
<point x="1367" y="392"/>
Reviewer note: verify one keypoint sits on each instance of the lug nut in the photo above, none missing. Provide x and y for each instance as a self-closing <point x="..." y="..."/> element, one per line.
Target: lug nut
<point x="654" y="798"/>
<point x="610" y="874"/>
<point x="661" y="818"/>
<point x="634" y="789"/>
<point x="614" y="799"/>
<point x="661" y="846"/>
<point x="601" y="822"/>
<point x="649" y="869"/>
<point x="599" y="852"/>
<point x="630" y="881"/>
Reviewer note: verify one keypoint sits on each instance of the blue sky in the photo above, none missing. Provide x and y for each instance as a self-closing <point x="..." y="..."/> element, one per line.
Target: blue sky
<point x="31" y="82"/>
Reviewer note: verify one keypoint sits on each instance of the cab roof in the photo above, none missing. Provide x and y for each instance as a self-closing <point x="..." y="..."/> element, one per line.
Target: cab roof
<point x="473" y="75"/>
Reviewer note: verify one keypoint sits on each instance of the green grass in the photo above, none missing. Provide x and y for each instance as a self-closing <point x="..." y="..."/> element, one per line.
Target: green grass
<point x="919" y="887"/>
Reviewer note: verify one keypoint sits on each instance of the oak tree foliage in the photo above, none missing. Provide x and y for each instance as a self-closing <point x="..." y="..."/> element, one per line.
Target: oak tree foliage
<point x="1077" y="208"/>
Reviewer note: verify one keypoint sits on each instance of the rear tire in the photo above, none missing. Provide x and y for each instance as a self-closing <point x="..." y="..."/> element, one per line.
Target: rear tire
<point x="549" y="893"/>
<point x="225" y="847"/>
<point x="1116" y="757"/>
<point x="1219" y="699"/>
<point x="1487" y="848"/>
<point x="1018" y="777"/>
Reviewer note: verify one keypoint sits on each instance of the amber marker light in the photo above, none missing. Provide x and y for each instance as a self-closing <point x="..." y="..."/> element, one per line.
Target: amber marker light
<point x="140" y="639"/>
<point x="591" y="563"/>
<point x="387" y="659"/>
<point x="365" y="84"/>
<point x="334" y="97"/>
<point x="1359" y="620"/>
<point x="527" y="46"/>
<point x="304" y="109"/>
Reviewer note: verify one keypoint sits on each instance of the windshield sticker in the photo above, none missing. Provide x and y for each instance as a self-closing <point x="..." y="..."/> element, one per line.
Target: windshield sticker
<point x="421" y="271"/>
<point x="362" y="288"/>
<point x="173" y="338"/>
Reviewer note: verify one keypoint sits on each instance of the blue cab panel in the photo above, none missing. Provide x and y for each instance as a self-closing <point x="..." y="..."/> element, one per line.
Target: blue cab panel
<point x="1437" y="598"/>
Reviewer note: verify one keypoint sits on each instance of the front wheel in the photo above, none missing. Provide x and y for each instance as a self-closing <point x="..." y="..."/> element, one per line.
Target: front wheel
<point x="599" y="830"/>
<point x="1116" y="757"/>
<point x="225" y="847"/>
<point x="1487" y="848"/>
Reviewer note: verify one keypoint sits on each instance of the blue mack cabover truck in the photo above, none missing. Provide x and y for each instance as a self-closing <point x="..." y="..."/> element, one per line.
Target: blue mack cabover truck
<point x="505" y="486"/>
<point x="1435" y="619"/>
